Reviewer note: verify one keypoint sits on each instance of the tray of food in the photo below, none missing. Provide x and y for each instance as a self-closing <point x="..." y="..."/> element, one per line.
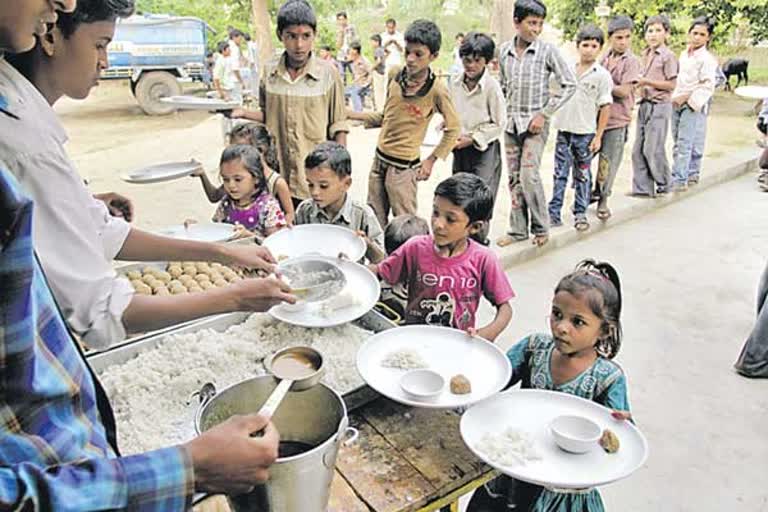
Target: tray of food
<point x="553" y="439"/>
<point x="152" y="380"/>
<point x="433" y="367"/>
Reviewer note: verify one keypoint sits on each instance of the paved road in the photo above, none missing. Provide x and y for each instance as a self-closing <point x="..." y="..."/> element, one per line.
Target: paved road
<point x="689" y="276"/>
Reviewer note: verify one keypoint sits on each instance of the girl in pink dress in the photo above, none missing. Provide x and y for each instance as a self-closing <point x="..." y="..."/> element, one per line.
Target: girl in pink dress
<point x="247" y="203"/>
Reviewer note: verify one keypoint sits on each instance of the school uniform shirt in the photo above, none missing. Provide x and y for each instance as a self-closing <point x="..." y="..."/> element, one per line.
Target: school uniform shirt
<point x="482" y="111"/>
<point x="696" y="77"/>
<point x="443" y="290"/>
<point x="659" y="65"/>
<point x="594" y="89"/>
<point x="353" y="215"/>
<point x="301" y="114"/>
<point x="525" y="81"/>
<point x="624" y="69"/>
<point x="75" y="236"/>
<point x="394" y="55"/>
<point x="222" y="71"/>
<point x="405" y="119"/>
<point x="55" y="449"/>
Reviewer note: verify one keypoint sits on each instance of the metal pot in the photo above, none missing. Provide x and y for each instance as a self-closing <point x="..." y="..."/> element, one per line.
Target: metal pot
<point x="316" y="418"/>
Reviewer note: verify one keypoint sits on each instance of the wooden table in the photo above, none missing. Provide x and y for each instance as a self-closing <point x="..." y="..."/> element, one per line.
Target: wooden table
<point x="405" y="460"/>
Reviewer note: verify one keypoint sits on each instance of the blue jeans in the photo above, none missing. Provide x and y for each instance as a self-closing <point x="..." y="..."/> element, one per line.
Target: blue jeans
<point x="697" y="154"/>
<point x="572" y="156"/>
<point x="685" y="126"/>
<point x="356" y="94"/>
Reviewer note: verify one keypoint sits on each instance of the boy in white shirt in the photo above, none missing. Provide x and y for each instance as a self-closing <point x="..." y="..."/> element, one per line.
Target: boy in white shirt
<point x="695" y="87"/>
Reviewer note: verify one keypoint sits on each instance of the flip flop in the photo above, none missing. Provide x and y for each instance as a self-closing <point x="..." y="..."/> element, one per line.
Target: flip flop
<point x="604" y="214"/>
<point x="581" y="225"/>
<point x="509" y="240"/>
<point x="540" y="240"/>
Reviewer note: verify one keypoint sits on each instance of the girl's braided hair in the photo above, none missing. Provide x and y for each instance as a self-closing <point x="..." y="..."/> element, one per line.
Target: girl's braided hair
<point x="599" y="283"/>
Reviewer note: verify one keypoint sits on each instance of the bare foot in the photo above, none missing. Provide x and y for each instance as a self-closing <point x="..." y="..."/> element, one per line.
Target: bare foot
<point x="509" y="240"/>
<point x="540" y="240"/>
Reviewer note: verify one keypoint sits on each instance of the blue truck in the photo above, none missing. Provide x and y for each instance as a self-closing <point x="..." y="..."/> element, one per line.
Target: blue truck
<point x="156" y="53"/>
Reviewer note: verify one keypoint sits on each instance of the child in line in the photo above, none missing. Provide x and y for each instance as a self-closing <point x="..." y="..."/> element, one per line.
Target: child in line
<point x="650" y="168"/>
<point x="414" y="95"/>
<point x="580" y="125"/>
<point x="394" y="297"/>
<point x="690" y="99"/>
<point x="480" y="105"/>
<point x="379" y="74"/>
<point x="527" y="65"/>
<point x="361" y="77"/>
<point x="625" y="71"/>
<point x="446" y="273"/>
<point x="575" y="358"/>
<point x="248" y="204"/>
<point x="257" y="136"/>
<point x="329" y="177"/>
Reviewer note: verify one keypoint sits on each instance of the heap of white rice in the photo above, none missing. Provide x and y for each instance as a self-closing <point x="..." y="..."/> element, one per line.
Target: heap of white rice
<point x="509" y="448"/>
<point x="405" y="359"/>
<point x="152" y="393"/>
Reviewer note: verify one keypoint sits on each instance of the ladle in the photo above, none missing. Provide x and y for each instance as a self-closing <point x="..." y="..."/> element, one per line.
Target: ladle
<point x="298" y="368"/>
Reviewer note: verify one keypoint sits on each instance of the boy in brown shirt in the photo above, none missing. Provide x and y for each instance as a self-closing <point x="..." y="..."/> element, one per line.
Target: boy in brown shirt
<point x="414" y="94"/>
<point x="651" y="173"/>
<point x="625" y="71"/>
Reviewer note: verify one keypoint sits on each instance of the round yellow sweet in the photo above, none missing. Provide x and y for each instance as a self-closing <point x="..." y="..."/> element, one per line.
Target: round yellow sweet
<point x="143" y="289"/>
<point x="220" y="282"/>
<point x="164" y="277"/>
<point x="148" y="278"/>
<point x="175" y="272"/>
<point x="200" y="278"/>
<point x="190" y="271"/>
<point x="206" y="285"/>
<point x="179" y="290"/>
<point x="194" y="288"/>
<point x="156" y="285"/>
<point x="162" y="290"/>
<point x="217" y="266"/>
<point x="133" y="274"/>
<point x="136" y="282"/>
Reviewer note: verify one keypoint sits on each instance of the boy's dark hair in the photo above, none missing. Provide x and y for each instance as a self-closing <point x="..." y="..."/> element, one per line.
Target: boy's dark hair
<point x="251" y="160"/>
<point x="377" y="38"/>
<point x="222" y="46"/>
<point x="332" y="155"/>
<point x="469" y="193"/>
<point x="620" y="22"/>
<point x="424" y="32"/>
<point x="478" y="44"/>
<point x="355" y="45"/>
<point x="599" y="284"/>
<point x="590" y="32"/>
<point x="390" y="20"/>
<point x="247" y="36"/>
<point x="296" y="12"/>
<point x="236" y="33"/>
<point x="260" y="138"/>
<point x="526" y="8"/>
<point x="326" y="48"/>
<point x="342" y="14"/>
<point x="460" y="34"/>
<point x="704" y="21"/>
<point x="91" y="11"/>
<point x="658" y="19"/>
<point x="402" y="228"/>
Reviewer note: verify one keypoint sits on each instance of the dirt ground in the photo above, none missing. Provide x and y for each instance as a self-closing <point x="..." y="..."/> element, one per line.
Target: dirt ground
<point x="110" y="135"/>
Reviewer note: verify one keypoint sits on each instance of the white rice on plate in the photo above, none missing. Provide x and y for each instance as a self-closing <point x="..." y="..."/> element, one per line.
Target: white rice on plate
<point x="510" y="448"/>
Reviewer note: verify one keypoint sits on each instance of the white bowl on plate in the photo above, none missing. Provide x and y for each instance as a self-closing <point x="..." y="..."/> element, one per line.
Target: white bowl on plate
<point x="422" y="384"/>
<point x="575" y="434"/>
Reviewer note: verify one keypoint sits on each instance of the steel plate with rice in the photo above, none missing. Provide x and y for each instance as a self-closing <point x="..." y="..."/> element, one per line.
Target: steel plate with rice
<point x="161" y="172"/>
<point x="531" y="413"/>
<point x="386" y="357"/>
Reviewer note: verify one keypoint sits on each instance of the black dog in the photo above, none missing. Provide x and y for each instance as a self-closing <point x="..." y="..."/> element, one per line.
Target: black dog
<point x="736" y="67"/>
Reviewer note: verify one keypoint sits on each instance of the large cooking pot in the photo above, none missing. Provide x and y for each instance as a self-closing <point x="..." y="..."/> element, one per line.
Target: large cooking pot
<point x="312" y="425"/>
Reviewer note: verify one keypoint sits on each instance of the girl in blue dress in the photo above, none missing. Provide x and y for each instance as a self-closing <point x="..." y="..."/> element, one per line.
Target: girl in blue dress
<point x="576" y="358"/>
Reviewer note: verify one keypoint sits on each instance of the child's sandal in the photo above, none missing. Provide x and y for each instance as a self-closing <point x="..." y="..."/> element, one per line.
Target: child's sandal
<point x="581" y="225"/>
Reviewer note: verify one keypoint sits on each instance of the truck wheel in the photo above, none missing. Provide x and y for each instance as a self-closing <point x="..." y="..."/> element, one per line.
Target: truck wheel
<point x="153" y="86"/>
